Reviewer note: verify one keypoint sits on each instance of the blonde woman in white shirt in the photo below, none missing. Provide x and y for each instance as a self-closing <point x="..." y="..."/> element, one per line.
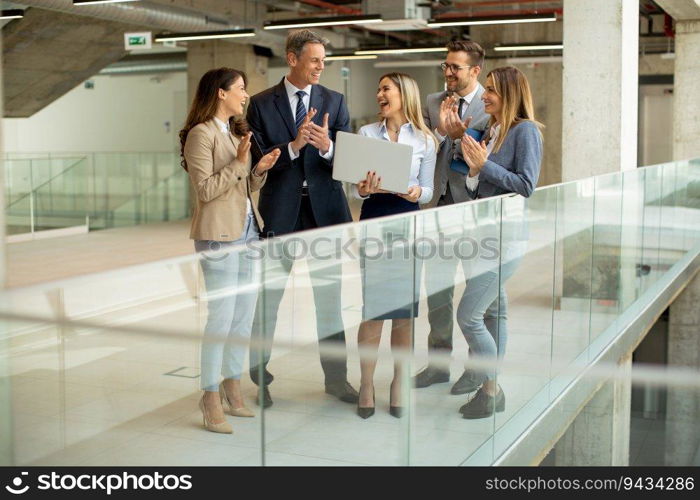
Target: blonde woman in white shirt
<point x="387" y="289"/>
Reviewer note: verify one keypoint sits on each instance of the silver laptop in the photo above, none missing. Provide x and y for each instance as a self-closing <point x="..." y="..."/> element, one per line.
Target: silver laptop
<point x="355" y="155"/>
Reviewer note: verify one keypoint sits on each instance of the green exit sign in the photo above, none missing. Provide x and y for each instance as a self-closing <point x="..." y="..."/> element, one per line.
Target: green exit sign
<point x="137" y="41"/>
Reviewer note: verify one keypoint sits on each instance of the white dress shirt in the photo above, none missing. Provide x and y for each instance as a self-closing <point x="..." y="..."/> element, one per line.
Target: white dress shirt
<point x="226" y="130"/>
<point x="423" y="160"/>
<point x="473" y="182"/>
<point x="467" y="101"/>
<point x="293" y="99"/>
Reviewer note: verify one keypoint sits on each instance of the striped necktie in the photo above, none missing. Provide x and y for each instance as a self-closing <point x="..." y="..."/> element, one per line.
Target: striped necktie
<point x="301" y="109"/>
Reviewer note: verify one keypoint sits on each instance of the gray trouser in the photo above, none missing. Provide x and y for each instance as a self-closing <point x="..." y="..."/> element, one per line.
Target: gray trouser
<point x="439" y="281"/>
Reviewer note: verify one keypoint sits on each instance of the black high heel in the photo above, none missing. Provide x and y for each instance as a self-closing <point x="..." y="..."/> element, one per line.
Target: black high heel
<point x="366" y="412"/>
<point x="394" y="411"/>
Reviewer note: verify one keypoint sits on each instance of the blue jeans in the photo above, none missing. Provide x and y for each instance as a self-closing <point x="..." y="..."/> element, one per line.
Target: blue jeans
<point x="482" y="314"/>
<point x="230" y="278"/>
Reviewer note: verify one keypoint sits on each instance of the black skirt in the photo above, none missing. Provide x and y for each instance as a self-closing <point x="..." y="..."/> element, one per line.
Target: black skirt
<point x="381" y="204"/>
<point x="390" y="279"/>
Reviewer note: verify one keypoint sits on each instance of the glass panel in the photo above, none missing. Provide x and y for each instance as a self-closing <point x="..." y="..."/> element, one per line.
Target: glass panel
<point x="61" y="201"/>
<point x="459" y="251"/>
<point x="606" y="278"/>
<point x="572" y="278"/>
<point x="651" y="221"/>
<point x="693" y="200"/>
<point x="523" y="310"/>
<point x="301" y="304"/>
<point x="634" y="270"/>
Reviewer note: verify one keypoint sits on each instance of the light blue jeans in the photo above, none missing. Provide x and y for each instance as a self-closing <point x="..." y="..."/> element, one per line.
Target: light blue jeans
<point x="482" y="313"/>
<point x="230" y="278"/>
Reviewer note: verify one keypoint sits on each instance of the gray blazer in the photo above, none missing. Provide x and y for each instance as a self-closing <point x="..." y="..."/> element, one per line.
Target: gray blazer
<point x="515" y="168"/>
<point x="443" y="172"/>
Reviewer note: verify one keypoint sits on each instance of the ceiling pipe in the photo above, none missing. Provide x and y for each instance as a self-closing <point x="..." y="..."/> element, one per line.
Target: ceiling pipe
<point x="134" y="14"/>
<point x="668" y="26"/>
<point x="468" y="5"/>
<point x="496" y="13"/>
<point x="340" y="9"/>
<point x="155" y="18"/>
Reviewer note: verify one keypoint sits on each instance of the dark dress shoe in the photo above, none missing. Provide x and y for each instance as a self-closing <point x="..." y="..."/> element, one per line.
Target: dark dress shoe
<point x="430" y="376"/>
<point x="343" y="391"/>
<point x="266" y="398"/>
<point x="482" y="405"/>
<point x="396" y="411"/>
<point x="468" y="382"/>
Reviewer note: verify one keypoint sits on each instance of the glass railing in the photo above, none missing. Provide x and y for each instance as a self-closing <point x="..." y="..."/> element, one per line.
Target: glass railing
<point x="30" y="186"/>
<point x="105" y="189"/>
<point x="106" y="370"/>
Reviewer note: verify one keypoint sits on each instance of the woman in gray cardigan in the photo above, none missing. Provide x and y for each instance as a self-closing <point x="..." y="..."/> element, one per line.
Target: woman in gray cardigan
<point x="507" y="161"/>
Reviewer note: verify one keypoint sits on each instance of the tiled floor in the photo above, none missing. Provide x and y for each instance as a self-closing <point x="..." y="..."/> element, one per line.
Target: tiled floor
<point x="51" y="259"/>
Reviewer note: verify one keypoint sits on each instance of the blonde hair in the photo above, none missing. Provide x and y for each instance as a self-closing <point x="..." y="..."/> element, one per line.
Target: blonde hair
<point x="511" y="85"/>
<point x="410" y="98"/>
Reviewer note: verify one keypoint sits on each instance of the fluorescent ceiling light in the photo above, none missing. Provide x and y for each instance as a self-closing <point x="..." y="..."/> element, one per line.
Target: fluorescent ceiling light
<point x="12" y="14"/>
<point x="534" y="60"/>
<point x="204" y="35"/>
<point x="434" y="63"/>
<point x="95" y="2"/>
<point x="407" y="50"/>
<point x="474" y="21"/>
<point x="541" y="46"/>
<point x="321" y="21"/>
<point x="349" y="56"/>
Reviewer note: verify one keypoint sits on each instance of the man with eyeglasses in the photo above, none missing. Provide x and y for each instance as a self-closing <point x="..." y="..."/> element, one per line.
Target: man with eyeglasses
<point x="449" y="114"/>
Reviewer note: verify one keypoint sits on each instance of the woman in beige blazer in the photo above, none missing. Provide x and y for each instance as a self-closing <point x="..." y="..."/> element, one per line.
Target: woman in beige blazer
<point x="215" y="148"/>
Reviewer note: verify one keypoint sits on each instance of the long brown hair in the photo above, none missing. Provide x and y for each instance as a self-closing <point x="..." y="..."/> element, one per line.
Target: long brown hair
<point x="410" y="97"/>
<point x="206" y="102"/>
<point x="512" y="87"/>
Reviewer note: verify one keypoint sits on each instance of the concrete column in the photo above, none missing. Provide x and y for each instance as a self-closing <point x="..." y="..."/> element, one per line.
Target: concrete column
<point x="600" y="433"/>
<point x="686" y="108"/>
<point x="600" y="87"/>
<point x="683" y="403"/>
<point x="203" y="56"/>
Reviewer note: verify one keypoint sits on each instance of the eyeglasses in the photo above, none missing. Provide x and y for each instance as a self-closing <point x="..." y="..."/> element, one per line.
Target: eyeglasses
<point x="453" y="67"/>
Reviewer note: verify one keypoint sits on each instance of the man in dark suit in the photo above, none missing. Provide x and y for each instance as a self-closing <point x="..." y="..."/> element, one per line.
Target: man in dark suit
<point x="301" y="118"/>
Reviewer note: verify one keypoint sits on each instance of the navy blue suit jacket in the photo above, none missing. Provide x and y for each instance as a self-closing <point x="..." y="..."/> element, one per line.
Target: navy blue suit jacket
<point x="271" y="121"/>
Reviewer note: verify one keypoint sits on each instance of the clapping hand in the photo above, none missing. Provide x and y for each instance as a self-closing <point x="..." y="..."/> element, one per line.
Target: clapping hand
<point x="413" y="194"/>
<point x="454" y="125"/>
<point x="303" y="133"/>
<point x="445" y="107"/>
<point x="267" y="162"/>
<point x="318" y="136"/>
<point x="475" y="154"/>
<point x="243" y="151"/>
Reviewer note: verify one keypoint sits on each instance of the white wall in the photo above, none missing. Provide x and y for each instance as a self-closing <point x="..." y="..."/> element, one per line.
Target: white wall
<point x="121" y="113"/>
<point x="128" y="113"/>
